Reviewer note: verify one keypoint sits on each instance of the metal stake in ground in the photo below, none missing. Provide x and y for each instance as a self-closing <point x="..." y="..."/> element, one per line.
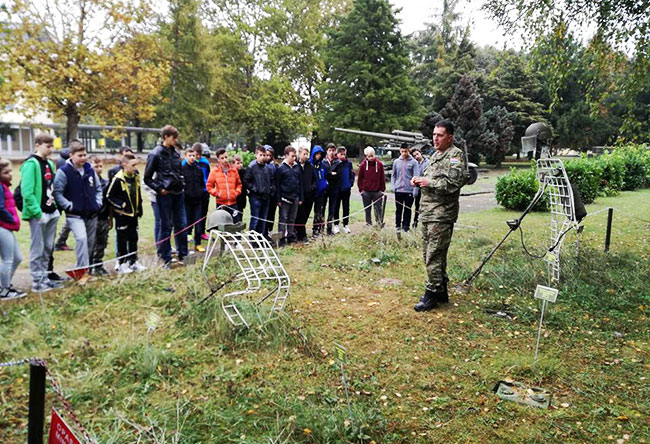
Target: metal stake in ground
<point x="342" y="356"/>
<point x="36" y="418"/>
<point x="608" y="234"/>
<point x="546" y="294"/>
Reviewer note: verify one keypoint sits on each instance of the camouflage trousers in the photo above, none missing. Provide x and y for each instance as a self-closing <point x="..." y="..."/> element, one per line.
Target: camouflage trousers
<point x="436" y="238"/>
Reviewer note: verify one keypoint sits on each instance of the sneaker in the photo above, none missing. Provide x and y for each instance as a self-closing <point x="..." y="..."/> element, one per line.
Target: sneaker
<point x="205" y="236"/>
<point x="7" y="294"/>
<point x="54" y="285"/>
<point x="63" y="247"/>
<point x="346" y="229"/>
<point x="40" y="287"/>
<point x="181" y="261"/>
<point x="20" y="293"/>
<point x="55" y="277"/>
<point x="124" y="269"/>
<point x="200" y="248"/>
<point x="116" y="266"/>
<point x="335" y="229"/>
<point x="100" y="271"/>
<point x="137" y="266"/>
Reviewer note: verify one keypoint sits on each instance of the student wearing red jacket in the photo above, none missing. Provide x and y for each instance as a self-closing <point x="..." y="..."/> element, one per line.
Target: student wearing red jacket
<point x="224" y="183"/>
<point x="9" y="222"/>
<point x="371" y="180"/>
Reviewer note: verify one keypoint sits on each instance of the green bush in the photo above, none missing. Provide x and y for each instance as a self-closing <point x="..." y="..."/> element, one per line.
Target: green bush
<point x="612" y="176"/>
<point x="247" y="156"/>
<point x="585" y="174"/>
<point x="637" y="166"/>
<point x="516" y="190"/>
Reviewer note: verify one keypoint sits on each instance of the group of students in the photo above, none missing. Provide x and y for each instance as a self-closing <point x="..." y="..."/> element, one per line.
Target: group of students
<point x="179" y="191"/>
<point x="90" y="204"/>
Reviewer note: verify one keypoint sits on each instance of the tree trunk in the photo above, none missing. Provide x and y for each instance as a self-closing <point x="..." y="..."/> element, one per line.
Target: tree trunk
<point x="72" y="122"/>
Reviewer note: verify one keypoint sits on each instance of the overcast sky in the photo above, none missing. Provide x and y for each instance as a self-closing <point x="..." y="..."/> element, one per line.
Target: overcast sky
<point x="415" y="13"/>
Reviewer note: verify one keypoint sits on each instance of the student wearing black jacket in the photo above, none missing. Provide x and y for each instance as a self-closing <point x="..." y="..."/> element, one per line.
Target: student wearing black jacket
<point x="163" y="174"/>
<point x="288" y="194"/>
<point x="194" y="190"/>
<point x="259" y="183"/>
<point x="238" y="164"/>
<point x="104" y="223"/>
<point x="125" y="198"/>
<point x="308" y="183"/>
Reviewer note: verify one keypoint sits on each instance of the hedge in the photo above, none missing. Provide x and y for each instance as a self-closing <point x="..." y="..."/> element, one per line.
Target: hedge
<point x="625" y="168"/>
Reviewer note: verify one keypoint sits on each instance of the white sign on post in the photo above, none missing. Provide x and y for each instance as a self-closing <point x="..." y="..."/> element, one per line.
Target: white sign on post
<point x="546" y="293"/>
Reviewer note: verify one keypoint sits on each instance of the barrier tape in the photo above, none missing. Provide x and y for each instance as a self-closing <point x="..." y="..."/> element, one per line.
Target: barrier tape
<point x="56" y="388"/>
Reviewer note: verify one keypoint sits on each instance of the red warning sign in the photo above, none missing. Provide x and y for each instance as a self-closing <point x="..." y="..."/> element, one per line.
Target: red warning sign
<point x="60" y="433"/>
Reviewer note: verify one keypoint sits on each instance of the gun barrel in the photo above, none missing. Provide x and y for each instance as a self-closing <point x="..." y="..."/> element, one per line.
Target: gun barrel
<point x="408" y="133"/>
<point x="379" y="135"/>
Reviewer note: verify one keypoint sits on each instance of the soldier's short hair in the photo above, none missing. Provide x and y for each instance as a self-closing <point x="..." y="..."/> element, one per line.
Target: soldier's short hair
<point x="447" y="125"/>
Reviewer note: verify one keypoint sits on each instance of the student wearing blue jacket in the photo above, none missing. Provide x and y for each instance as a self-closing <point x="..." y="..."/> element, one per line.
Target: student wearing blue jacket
<point x="320" y="193"/>
<point x="346" y="181"/>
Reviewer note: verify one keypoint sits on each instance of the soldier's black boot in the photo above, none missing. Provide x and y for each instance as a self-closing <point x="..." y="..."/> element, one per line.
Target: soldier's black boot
<point x="427" y="302"/>
<point x="442" y="297"/>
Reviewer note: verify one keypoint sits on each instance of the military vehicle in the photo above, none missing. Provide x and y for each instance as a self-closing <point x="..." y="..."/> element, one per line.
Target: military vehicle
<point x="392" y="142"/>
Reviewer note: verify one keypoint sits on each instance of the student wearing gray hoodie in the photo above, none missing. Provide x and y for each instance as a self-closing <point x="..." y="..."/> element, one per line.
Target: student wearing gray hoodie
<point x="404" y="169"/>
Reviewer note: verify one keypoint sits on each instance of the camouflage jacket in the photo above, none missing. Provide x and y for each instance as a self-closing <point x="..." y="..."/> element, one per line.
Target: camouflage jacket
<point x="446" y="173"/>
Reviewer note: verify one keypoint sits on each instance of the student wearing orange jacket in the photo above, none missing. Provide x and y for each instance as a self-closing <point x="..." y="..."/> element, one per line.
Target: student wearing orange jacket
<point x="224" y="183"/>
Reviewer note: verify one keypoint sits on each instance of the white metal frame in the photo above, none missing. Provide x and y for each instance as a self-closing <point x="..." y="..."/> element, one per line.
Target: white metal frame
<point x="258" y="263"/>
<point x="552" y="175"/>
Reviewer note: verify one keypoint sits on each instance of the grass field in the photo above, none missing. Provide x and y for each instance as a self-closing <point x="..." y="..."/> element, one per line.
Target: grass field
<point x="413" y="378"/>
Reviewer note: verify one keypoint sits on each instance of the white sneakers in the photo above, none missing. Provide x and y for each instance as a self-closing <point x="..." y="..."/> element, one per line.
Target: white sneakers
<point x="124" y="268"/>
<point x="346" y="229"/>
<point x="335" y="229"/>
<point x="137" y="266"/>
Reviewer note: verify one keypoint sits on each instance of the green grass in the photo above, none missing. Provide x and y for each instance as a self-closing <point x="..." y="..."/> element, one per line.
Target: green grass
<point x="413" y="378"/>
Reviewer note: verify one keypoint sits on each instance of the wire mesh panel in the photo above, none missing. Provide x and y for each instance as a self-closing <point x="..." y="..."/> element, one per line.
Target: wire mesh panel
<point x="552" y="176"/>
<point x="259" y="266"/>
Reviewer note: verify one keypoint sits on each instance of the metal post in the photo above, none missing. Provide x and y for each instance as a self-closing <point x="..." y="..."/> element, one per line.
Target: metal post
<point x="608" y="235"/>
<point x="36" y="418"/>
<point x="20" y="139"/>
<point x="347" y="396"/>
<point x="539" y="329"/>
<point x="10" y="145"/>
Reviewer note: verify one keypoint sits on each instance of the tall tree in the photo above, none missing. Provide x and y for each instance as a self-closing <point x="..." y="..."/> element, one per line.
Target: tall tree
<point x="82" y="59"/>
<point x="367" y="85"/>
<point x="513" y="86"/>
<point x="623" y="25"/>
<point x="441" y="55"/>
<point x="465" y="109"/>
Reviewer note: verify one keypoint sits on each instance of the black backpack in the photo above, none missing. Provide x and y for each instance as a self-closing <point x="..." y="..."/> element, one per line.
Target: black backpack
<point x="18" y="198"/>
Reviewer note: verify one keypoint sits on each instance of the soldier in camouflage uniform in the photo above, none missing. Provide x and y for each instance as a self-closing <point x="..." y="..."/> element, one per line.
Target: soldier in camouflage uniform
<point x="440" y="187"/>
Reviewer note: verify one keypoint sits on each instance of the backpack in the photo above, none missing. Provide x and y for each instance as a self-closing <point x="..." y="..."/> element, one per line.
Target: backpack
<point x="18" y="198"/>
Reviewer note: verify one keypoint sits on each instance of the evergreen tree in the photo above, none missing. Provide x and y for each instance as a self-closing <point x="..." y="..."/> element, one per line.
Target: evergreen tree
<point x="497" y="138"/>
<point x="367" y="85"/>
<point x="465" y="109"/>
<point x="512" y="85"/>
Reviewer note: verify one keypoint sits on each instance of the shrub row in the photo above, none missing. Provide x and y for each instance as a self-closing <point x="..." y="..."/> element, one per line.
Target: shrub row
<point x="626" y="168"/>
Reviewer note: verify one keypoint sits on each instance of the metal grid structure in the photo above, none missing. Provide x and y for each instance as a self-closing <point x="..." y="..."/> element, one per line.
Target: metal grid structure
<point x="258" y="263"/>
<point x="552" y="176"/>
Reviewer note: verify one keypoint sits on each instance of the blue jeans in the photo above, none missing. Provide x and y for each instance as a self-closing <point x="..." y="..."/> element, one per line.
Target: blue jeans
<point x="259" y="210"/>
<point x="156" y="222"/>
<point x="172" y="213"/>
